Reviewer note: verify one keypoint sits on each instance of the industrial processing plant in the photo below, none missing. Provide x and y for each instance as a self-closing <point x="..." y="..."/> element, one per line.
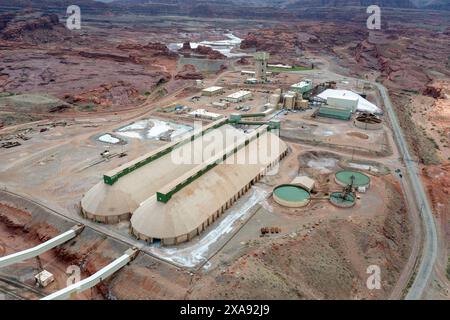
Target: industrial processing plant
<point x="221" y="150"/>
<point x="173" y="200"/>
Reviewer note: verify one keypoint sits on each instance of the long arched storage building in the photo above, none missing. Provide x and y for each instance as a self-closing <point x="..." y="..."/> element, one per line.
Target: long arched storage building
<point x="173" y="201"/>
<point x="200" y="203"/>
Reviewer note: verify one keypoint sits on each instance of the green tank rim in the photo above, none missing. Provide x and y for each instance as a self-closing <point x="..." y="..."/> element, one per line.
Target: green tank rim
<point x="291" y="193"/>
<point x="349" y="201"/>
<point x="344" y="177"/>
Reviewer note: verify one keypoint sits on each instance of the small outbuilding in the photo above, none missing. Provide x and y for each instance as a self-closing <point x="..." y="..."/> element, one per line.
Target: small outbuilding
<point x="44" y="278"/>
<point x="251" y="81"/>
<point x="204" y="114"/>
<point x="212" y="91"/>
<point x="239" y="96"/>
<point x="305" y="182"/>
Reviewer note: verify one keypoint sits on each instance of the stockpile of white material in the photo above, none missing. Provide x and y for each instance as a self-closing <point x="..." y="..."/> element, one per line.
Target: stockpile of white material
<point x="223" y="46"/>
<point x="108" y="139"/>
<point x="363" y="104"/>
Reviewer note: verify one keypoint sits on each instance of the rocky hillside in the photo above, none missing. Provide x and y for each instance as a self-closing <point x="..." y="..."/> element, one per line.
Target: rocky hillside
<point x="50" y="3"/>
<point x="31" y="27"/>
<point x="432" y="4"/>
<point x="290" y="4"/>
<point x="352" y="3"/>
<point x="286" y="9"/>
<point x="280" y="3"/>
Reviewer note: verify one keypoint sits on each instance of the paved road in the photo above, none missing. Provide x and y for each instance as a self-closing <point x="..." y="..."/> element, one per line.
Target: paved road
<point x="429" y="251"/>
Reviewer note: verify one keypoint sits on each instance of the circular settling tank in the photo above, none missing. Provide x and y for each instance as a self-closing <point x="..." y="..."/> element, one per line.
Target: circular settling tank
<point x="344" y="178"/>
<point x="342" y="200"/>
<point x="291" y="196"/>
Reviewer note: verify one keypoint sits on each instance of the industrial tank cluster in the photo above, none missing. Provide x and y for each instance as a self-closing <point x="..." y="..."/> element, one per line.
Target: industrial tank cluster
<point x="297" y="194"/>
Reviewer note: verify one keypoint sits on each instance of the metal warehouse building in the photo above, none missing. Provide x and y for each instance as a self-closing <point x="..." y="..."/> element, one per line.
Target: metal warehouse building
<point x="212" y="91"/>
<point x="174" y="201"/>
<point x="303" y="86"/>
<point x="203" y="201"/>
<point x="239" y="96"/>
<point x="348" y="99"/>
<point x="335" y="113"/>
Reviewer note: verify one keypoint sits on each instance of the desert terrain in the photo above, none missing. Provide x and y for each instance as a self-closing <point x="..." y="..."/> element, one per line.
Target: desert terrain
<point x="67" y="96"/>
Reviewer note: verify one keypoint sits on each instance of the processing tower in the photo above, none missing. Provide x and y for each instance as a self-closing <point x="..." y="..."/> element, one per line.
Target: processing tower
<point x="261" y="60"/>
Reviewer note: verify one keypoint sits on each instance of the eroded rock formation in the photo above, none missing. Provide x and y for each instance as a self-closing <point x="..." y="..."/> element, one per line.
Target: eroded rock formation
<point x="188" y="72"/>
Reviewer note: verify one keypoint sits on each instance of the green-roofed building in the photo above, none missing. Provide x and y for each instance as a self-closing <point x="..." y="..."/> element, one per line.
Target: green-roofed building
<point x="302" y="87"/>
<point x="335" y="113"/>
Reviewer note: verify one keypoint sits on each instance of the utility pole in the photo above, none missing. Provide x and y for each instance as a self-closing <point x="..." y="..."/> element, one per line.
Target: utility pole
<point x="422" y="206"/>
<point x="39" y="263"/>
